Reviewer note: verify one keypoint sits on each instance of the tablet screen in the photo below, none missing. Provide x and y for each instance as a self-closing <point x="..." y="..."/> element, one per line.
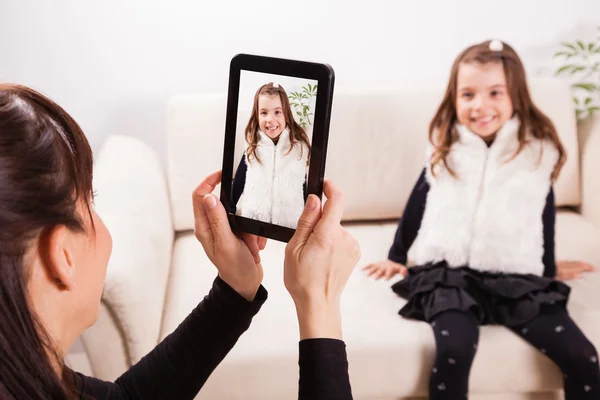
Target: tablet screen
<point x="273" y="143"/>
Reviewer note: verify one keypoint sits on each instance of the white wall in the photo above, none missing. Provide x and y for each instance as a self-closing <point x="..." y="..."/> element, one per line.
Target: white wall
<point x="113" y="64"/>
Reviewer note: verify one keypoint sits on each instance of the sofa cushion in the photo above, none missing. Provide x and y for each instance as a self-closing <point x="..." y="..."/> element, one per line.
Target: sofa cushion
<point x="389" y="357"/>
<point x="133" y="201"/>
<point x="377" y="139"/>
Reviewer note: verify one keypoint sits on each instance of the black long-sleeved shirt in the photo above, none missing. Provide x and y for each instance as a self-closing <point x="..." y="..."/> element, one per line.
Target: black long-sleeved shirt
<point x="180" y="365"/>
<point x="410" y="223"/>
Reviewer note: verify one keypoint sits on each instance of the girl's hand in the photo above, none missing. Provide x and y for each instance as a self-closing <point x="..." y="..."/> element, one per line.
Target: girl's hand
<point x="318" y="262"/>
<point x="566" y="270"/>
<point x="387" y="268"/>
<point x="236" y="264"/>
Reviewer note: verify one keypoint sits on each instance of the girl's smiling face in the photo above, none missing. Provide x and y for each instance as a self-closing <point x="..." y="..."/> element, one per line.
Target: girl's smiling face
<point x="270" y="115"/>
<point x="483" y="102"/>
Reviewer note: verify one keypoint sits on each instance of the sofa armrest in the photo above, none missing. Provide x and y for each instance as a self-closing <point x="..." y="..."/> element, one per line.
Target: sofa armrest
<point x="132" y="199"/>
<point x="589" y="148"/>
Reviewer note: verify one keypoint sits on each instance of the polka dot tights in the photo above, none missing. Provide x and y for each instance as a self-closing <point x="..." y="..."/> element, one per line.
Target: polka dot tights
<point x="552" y="332"/>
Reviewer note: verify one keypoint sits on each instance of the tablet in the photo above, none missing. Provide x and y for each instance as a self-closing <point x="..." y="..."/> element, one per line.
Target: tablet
<point x="276" y="132"/>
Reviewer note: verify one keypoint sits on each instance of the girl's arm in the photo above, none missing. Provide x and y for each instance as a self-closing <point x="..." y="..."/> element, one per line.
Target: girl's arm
<point x="304" y="188"/>
<point x="548" y="221"/>
<point x="560" y="270"/>
<point x="239" y="181"/>
<point x="410" y="222"/>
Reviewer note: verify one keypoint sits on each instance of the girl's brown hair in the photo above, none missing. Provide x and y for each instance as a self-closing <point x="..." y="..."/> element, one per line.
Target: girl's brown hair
<point x="45" y="173"/>
<point x="297" y="133"/>
<point x="442" y="132"/>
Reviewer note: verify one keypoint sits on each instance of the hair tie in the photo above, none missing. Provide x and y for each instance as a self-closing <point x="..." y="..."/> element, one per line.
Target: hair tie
<point x="496" y="45"/>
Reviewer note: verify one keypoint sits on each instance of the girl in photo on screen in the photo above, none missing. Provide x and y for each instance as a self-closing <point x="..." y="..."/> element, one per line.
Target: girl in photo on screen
<point x="270" y="181"/>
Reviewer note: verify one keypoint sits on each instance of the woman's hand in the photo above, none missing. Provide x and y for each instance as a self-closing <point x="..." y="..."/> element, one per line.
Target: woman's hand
<point x="236" y="263"/>
<point x="385" y="268"/>
<point x="566" y="270"/>
<point x="255" y="244"/>
<point x="318" y="262"/>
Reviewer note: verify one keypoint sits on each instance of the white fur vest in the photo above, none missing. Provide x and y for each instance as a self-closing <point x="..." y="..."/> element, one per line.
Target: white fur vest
<point x="490" y="216"/>
<point x="273" y="191"/>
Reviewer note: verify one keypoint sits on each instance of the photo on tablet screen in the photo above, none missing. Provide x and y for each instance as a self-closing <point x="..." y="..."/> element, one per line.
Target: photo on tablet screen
<point x="272" y="147"/>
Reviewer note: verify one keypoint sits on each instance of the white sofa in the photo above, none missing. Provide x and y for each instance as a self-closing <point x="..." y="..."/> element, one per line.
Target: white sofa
<point x="158" y="272"/>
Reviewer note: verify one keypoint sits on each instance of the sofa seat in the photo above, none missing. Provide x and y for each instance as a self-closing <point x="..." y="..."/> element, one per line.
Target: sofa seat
<point x="390" y="357"/>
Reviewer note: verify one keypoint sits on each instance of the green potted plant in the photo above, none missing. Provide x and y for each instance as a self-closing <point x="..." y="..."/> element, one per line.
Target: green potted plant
<point x="301" y="103"/>
<point x="582" y="64"/>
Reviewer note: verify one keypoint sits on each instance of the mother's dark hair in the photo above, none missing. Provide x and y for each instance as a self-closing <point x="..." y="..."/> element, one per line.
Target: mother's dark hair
<point x="45" y="173"/>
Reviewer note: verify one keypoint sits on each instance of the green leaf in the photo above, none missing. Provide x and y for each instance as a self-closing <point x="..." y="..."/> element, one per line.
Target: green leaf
<point x="590" y="87"/>
<point x="592" y="110"/>
<point x="563" y="53"/>
<point x="299" y="113"/>
<point x="587" y="101"/>
<point x="590" y="47"/>
<point x="581" y="45"/>
<point x="576" y="100"/>
<point x="564" y="68"/>
<point x="569" y="45"/>
<point x="578" y="69"/>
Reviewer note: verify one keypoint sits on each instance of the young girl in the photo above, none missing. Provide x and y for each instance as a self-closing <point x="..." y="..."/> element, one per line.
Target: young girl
<point x="479" y="227"/>
<point x="270" y="182"/>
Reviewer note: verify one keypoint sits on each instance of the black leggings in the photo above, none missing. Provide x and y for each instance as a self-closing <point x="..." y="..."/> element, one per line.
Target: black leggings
<point x="552" y="332"/>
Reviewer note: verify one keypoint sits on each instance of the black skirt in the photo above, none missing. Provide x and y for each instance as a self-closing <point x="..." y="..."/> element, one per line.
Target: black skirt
<point x="505" y="299"/>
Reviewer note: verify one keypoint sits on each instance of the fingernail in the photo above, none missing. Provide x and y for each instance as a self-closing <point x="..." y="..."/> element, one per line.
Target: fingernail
<point x="311" y="203"/>
<point x="210" y="201"/>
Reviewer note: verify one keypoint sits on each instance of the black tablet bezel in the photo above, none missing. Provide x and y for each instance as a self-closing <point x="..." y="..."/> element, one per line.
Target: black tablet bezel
<point x="325" y="76"/>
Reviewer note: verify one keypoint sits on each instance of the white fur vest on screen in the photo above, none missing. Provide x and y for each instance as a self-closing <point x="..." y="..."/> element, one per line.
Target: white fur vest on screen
<point x="274" y="187"/>
<point x="490" y="216"/>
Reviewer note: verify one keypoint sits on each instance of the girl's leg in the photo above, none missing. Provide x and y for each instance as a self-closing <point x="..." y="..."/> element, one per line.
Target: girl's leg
<point x="555" y="334"/>
<point x="456" y="336"/>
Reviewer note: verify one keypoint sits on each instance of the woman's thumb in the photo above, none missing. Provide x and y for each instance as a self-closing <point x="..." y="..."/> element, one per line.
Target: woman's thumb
<point x="309" y="218"/>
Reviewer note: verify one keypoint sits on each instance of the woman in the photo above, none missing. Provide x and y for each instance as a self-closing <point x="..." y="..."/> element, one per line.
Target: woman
<point x="54" y="251"/>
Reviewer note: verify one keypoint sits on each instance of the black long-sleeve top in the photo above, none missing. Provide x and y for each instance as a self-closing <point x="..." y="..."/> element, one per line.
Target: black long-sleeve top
<point x="180" y="365"/>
